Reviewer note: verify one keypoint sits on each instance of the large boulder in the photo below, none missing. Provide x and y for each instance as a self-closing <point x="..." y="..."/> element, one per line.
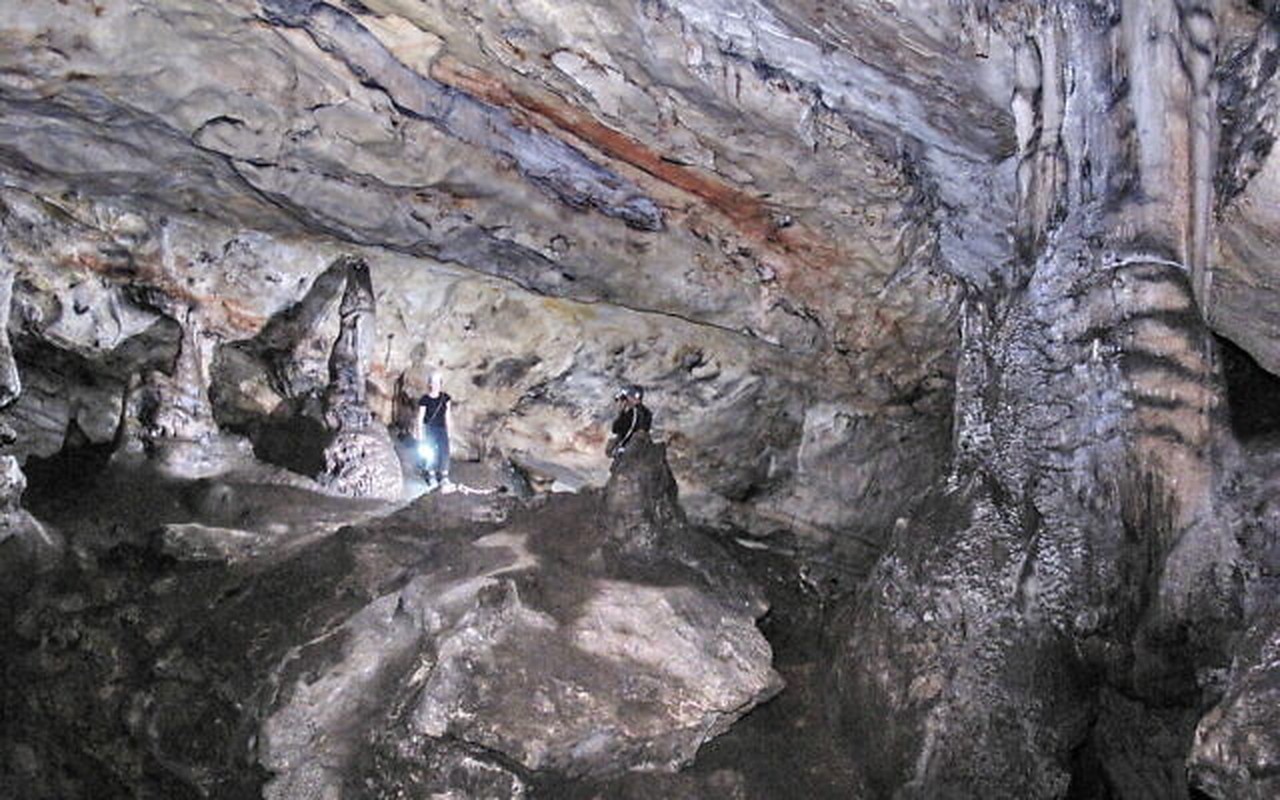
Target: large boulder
<point x="1236" y="752"/>
<point x="467" y="645"/>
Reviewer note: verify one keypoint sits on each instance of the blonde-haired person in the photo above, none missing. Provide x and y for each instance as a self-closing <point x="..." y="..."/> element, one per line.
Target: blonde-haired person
<point x="433" y="433"/>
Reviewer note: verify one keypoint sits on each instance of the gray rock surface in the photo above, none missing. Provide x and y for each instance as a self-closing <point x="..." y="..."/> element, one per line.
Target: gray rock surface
<point x="1236" y="747"/>
<point x="362" y="462"/>
<point x="464" y="645"/>
<point x="1081" y="556"/>
<point x="1242" y="302"/>
<point x="1236" y="744"/>
<point x="925" y="296"/>
<point x="25" y="544"/>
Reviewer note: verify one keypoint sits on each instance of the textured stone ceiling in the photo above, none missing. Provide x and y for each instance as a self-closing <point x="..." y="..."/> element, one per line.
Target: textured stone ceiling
<point x="772" y="207"/>
<point x="790" y="172"/>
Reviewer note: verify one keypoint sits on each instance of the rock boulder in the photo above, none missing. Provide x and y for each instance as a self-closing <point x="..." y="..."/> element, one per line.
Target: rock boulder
<point x="467" y="644"/>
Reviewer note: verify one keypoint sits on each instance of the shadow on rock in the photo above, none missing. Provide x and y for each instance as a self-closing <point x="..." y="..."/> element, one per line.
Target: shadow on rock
<point x="465" y="644"/>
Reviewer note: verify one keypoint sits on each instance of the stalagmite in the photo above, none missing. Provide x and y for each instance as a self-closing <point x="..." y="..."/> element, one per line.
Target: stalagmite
<point x="24" y="541"/>
<point x="360" y="459"/>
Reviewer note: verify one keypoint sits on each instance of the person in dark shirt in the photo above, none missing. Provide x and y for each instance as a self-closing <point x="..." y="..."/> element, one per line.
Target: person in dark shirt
<point x="433" y="433"/>
<point x="633" y="418"/>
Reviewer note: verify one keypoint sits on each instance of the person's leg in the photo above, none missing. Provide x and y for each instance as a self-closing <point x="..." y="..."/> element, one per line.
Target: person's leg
<point x="431" y="458"/>
<point x="423" y="452"/>
<point x="443" y="450"/>
<point x="439" y="466"/>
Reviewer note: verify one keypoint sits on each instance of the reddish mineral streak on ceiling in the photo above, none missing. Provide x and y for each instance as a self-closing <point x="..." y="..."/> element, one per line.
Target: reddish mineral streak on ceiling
<point x="223" y="313"/>
<point x="791" y="244"/>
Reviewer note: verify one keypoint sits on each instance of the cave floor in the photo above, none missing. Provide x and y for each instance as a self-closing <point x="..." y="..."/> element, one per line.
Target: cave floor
<point x="780" y="749"/>
<point x="784" y="748"/>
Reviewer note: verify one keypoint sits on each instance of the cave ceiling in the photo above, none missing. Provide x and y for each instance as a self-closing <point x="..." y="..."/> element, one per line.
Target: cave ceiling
<point x="768" y="213"/>
<point x="816" y="176"/>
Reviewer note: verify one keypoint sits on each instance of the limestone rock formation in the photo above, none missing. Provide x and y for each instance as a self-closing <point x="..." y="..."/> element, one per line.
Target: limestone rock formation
<point x="964" y="312"/>
<point x="1081" y="556"/>
<point x="360" y="459"/>
<point x="24" y="542"/>
<point x="566" y="178"/>
<point x="460" y="645"/>
<point x="1235" y="749"/>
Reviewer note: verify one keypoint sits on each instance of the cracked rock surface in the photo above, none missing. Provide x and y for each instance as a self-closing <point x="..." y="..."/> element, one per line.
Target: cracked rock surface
<point x="460" y="642"/>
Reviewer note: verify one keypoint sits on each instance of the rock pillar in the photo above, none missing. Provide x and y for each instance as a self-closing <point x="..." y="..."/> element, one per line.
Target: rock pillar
<point x="360" y="459"/>
<point x="1076" y="535"/>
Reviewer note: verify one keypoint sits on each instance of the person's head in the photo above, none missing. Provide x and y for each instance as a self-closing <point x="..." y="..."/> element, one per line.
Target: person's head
<point x="630" y="395"/>
<point x="435" y="381"/>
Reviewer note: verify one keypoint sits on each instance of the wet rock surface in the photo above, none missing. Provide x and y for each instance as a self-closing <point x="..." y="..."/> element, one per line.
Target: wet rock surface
<point x="466" y="643"/>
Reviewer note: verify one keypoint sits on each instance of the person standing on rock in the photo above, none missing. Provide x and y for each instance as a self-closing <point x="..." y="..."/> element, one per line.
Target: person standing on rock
<point x="633" y="418"/>
<point x="433" y="433"/>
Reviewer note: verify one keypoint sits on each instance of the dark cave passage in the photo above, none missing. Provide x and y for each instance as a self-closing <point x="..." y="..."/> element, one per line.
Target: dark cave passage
<point x="1253" y="394"/>
<point x="71" y="471"/>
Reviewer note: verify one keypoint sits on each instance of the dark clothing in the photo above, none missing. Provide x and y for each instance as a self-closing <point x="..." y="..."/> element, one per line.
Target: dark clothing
<point x="433" y="410"/>
<point x="629" y="422"/>
<point x="435" y="432"/>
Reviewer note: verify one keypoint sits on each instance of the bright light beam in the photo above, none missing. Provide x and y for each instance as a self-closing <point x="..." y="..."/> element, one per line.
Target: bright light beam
<point x="427" y="452"/>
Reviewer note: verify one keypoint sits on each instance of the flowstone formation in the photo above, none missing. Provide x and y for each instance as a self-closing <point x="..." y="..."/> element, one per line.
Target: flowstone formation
<point x="1067" y="603"/>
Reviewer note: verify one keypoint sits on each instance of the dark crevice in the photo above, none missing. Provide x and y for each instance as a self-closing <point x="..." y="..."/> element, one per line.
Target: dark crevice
<point x="1253" y="394"/>
<point x="1088" y="778"/>
<point x="293" y="441"/>
<point x="73" y="469"/>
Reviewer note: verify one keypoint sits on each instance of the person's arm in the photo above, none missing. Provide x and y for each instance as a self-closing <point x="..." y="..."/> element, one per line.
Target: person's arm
<point x="448" y="416"/>
<point x="420" y="419"/>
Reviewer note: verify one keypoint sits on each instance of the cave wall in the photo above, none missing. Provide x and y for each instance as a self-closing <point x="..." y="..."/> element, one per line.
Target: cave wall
<point x="1067" y="603"/>
<point x="753" y="438"/>
<point x="641" y="173"/>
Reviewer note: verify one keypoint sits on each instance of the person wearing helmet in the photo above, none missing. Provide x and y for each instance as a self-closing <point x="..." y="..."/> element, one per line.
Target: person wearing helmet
<point x="633" y="418"/>
<point x="433" y="433"/>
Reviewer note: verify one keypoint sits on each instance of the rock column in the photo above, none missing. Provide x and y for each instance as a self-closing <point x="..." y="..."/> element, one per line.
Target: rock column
<point x="1077" y="534"/>
<point x="169" y="417"/>
<point x="346" y="403"/>
<point x="360" y="460"/>
<point x="18" y="529"/>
